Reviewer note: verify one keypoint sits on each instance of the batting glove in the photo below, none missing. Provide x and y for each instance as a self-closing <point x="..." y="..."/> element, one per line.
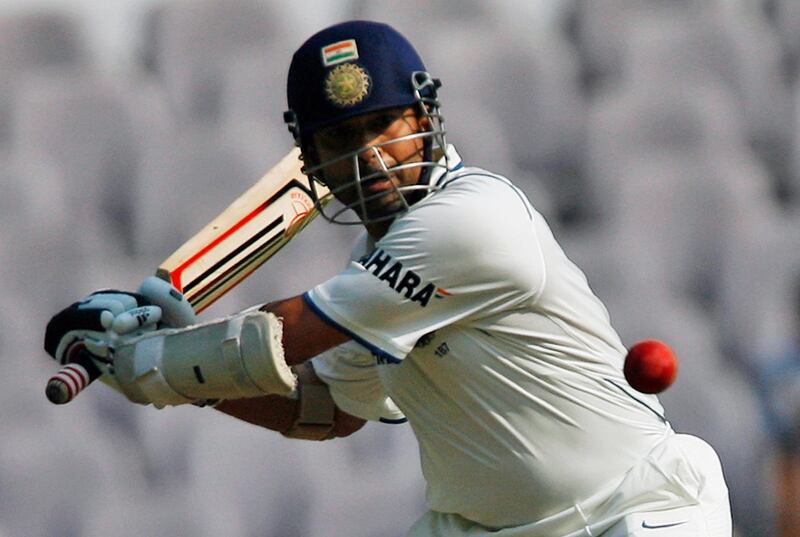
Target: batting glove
<point x="176" y="311"/>
<point x="93" y="324"/>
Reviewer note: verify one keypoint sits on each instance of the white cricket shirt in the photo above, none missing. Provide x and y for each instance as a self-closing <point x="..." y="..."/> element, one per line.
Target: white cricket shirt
<point x="489" y="340"/>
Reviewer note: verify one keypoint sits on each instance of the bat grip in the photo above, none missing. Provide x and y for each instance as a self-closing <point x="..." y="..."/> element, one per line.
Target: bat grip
<point x="72" y="379"/>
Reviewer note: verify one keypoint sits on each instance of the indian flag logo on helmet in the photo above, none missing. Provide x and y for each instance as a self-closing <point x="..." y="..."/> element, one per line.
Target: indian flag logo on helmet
<point x="339" y="52"/>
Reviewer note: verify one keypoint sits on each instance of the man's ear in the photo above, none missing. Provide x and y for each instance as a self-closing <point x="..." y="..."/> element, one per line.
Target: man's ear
<point x="424" y="121"/>
<point x="309" y="151"/>
<point x="311" y="158"/>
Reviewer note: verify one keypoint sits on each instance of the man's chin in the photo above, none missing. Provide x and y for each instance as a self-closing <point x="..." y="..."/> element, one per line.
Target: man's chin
<point x="384" y="210"/>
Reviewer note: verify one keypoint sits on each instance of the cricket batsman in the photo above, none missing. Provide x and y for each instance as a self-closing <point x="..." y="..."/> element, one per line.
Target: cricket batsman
<point x="458" y="312"/>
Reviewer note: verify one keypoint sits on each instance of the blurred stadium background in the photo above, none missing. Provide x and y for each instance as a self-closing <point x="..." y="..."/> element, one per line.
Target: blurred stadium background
<point x="660" y="139"/>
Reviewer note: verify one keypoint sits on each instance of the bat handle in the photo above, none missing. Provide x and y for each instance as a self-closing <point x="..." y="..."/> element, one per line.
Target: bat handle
<point x="73" y="378"/>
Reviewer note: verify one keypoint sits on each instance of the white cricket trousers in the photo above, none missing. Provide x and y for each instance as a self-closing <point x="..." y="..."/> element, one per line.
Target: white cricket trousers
<point x="680" y="463"/>
<point x="711" y="517"/>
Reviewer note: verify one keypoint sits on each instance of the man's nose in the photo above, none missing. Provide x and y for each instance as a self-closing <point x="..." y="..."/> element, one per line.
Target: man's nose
<point x="372" y="158"/>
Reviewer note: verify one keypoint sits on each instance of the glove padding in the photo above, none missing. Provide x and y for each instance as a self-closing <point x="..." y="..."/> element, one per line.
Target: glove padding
<point x="238" y="356"/>
<point x="95" y="322"/>
<point x="176" y="311"/>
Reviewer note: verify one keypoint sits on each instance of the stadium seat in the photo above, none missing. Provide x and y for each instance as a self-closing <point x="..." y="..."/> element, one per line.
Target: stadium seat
<point x="82" y="125"/>
<point x="153" y="512"/>
<point x="537" y="105"/>
<point x="359" y="468"/>
<point x="686" y="219"/>
<point x="686" y="118"/>
<point x="482" y="140"/>
<point x="22" y="399"/>
<point x="35" y="41"/>
<point x="793" y="183"/>
<point x="784" y="15"/>
<point x="186" y="178"/>
<point x="253" y="99"/>
<point x="601" y="30"/>
<point x="756" y="307"/>
<point x="39" y="234"/>
<point x="737" y="48"/>
<point x="247" y="481"/>
<point x="195" y="40"/>
<point x="47" y="464"/>
<point x="420" y="20"/>
<point x="670" y="170"/>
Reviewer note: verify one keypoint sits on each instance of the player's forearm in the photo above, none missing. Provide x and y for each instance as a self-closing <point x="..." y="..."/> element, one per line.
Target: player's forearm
<point x="271" y="411"/>
<point x="279" y="414"/>
<point x="305" y="334"/>
<point x="284" y="415"/>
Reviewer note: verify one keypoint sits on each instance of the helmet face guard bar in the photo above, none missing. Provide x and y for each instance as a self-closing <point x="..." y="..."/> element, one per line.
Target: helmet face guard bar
<point x="434" y="148"/>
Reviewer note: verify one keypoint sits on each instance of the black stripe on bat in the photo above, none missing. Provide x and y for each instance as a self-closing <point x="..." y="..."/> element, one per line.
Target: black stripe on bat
<point x="232" y="272"/>
<point x="255" y="238"/>
<point x="294" y="183"/>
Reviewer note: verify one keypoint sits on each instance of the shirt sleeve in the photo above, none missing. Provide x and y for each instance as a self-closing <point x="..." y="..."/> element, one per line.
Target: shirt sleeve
<point x="350" y="372"/>
<point x="466" y="252"/>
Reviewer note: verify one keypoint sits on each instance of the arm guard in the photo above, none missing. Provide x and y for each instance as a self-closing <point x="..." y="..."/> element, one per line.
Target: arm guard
<point x="235" y="357"/>
<point x="316" y="412"/>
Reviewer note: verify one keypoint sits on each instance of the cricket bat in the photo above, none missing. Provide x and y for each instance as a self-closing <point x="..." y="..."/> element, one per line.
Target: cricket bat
<point x="226" y="251"/>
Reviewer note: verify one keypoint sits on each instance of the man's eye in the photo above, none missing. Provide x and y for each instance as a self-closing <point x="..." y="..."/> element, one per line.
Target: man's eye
<point x="340" y="134"/>
<point x="383" y="121"/>
<point x="336" y="137"/>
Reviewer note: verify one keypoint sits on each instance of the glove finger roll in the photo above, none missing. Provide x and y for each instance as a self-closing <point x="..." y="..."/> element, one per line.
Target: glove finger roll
<point x="136" y="319"/>
<point x="69" y="320"/>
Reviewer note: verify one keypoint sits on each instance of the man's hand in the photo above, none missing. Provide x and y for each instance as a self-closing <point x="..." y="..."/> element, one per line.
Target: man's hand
<point x="95" y="322"/>
<point x="176" y="311"/>
<point x="81" y="338"/>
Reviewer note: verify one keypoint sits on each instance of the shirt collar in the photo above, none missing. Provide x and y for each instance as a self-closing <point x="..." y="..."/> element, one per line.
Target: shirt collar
<point x="449" y="163"/>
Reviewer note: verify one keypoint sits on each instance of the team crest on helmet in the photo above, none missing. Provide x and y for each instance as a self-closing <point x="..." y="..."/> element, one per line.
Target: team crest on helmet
<point x="347" y="85"/>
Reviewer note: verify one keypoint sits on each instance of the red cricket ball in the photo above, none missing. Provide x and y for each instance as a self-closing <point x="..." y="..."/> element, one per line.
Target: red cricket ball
<point x="650" y="366"/>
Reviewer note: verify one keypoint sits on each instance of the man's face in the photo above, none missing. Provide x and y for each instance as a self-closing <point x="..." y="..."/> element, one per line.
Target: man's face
<point x="381" y="197"/>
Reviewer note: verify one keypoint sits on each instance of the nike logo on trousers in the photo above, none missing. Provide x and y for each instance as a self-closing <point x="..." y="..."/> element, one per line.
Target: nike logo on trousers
<point x="647" y="526"/>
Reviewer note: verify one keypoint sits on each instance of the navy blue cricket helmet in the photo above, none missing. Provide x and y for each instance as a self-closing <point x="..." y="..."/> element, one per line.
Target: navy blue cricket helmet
<point x="355" y="68"/>
<point x="349" y="69"/>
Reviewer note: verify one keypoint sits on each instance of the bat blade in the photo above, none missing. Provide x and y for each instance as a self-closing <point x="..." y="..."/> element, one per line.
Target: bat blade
<point x="227" y="250"/>
<point x="245" y="235"/>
